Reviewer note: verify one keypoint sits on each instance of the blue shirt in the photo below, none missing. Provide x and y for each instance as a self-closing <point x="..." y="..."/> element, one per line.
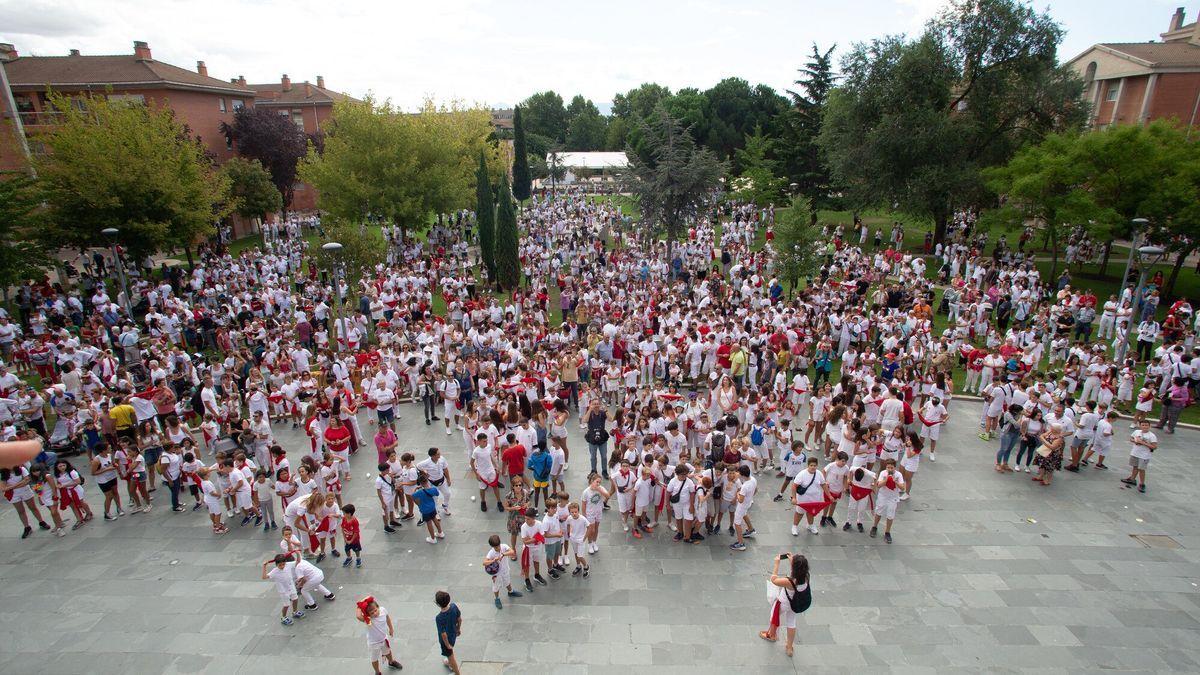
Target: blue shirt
<point x="425" y="500"/>
<point x="447" y="622"/>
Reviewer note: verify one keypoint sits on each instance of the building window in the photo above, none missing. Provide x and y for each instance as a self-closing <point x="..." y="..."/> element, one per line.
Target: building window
<point x="298" y="117"/>
<point x="238" y="104"/>
<point x="1114" y="88"/>
<point x="221" y="104"/>
<point x="128" y="99"/>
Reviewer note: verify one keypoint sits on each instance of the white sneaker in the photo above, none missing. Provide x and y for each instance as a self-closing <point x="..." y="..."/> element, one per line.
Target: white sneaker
<point x="625" y="528"/>
<point x="813" y="529"/>
<point x="672" y="526"/>
<point x="60" y="532"/>
<point x="795" y="531"/>
<point x="448" y="432"/>
<point x="430" y="540"/>
<point x="146" y="508"/>
<point x="904" y="497"/>
<point x="440" y="535"/>
<point x="932" y="457"/>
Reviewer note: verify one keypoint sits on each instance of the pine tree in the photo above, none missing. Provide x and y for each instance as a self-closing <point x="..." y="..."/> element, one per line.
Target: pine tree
<point x="522" y="185"/>
<point x="485" y="216"/>
<point x="508" y="267"/>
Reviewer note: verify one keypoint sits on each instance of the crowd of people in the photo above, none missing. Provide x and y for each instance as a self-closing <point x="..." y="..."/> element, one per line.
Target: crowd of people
<point x="690" y="368"/>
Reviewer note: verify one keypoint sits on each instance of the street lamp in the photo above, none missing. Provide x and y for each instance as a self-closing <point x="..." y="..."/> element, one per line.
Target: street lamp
<point x="333" y="249"/>
<point x="1139" y="225"/>
<point x="1147" y="257"/>
<point x="111" y="233"/>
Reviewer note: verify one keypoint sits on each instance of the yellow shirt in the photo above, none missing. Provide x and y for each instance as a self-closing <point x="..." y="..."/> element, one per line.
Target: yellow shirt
<point x="122" y="415"/>
<point x="737" y="362"/>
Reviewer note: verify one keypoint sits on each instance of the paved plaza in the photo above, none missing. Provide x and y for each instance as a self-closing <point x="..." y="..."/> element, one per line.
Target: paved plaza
<point x="988" y="572"/>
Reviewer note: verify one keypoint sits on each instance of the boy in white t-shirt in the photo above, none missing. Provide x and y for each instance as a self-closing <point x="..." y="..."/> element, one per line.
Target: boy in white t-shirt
<point x="835" y="478"/>
<point x="282" y="571"/>
<point x="793" y="461"/>
<point x="741" y="512"/>
<point x="862" y="485"/>
<point x="577" y="527"/>
<point x="888" y="487"/>
<point x="1144" y="443"/>
<point x="495" y="564"/>
<point x="1102" y="442"/>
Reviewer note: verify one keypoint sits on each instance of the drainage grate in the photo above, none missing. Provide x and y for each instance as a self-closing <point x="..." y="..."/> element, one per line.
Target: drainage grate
<point x="1156" y="541"/>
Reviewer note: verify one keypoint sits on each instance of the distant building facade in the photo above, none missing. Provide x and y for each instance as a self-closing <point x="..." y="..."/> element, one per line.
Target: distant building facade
<point x="1136" y="82"/>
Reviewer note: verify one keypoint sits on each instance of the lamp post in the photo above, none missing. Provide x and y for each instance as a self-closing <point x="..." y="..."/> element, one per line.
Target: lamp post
<point x="1139" y="225"/>
<point x="333" y="249"/>
<point x="1147" y="256"/>
<point x="111" y="233"/>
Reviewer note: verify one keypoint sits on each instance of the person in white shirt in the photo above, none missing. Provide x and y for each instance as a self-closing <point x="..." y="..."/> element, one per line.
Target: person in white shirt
<point x="1144" y="444"/>
<point x="681" y="493"/>
<point x="1085" y="434"/>
<point x="1102" y="438"/>
<point x="485" y="471"/>
<point x="577" y="528"/>
<point x="309" y="576"/>
<point x="835" y="481"/>
<point x="534" y="550"/>
<point x="810" y="495"/>
<point x="741" y="514"/>
<point x="862" y="487"/>
<point x="282" y="572"/>
<point x="379" y="633"/>
<point x="495" y="564"/>
<point x="438" y="471"/>
<point x="888" y="487"/>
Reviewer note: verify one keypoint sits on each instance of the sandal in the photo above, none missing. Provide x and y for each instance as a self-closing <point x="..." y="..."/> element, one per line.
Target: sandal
<point x="766" y="636"/>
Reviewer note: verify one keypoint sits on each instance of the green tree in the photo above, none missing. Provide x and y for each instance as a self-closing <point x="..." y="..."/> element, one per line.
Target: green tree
<point x="23" y="254"/>
<point x="915" y="122"/>
<point x="673" y="179"/>
<point x="1044" y="183"/>
<point x="1173" y="205"/>
<point x="251" y="192"/>
<point x="485" y="218"/>
<point x="508" y="265"/>
<point x="363" y="247"/>
<point x="586" y="127"/>
<point x="132" y="167"/>
<point x="799" y="245"/>
<point x="272" y="139"/>
<point x="401" y="167"/>
<point x="545" y="116"/>
<point x="758" y="181"/>
<point x="522" y="179"/>
<point x="800" y="126"/>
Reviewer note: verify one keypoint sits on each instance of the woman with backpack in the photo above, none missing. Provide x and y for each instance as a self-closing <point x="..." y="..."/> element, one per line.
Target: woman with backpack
<point x="791" y="595"/>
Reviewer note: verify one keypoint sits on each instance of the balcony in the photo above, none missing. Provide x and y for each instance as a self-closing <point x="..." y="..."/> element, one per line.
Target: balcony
<point x="40" y="118"/>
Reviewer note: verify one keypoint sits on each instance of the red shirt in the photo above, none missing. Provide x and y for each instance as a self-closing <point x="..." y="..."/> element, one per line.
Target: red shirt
<point x="514" y="459"/>
<point x="337" y="438"/>
<point x="350" y="530"/>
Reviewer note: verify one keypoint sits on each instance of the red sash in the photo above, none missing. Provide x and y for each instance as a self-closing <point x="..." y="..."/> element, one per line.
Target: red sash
<point x="857" y="492"/>
<point x="66" y="498"/>
<point x="813" y="508"/>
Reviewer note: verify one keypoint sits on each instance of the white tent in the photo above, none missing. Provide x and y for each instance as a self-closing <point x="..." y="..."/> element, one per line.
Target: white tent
<point x="592" y="160"/>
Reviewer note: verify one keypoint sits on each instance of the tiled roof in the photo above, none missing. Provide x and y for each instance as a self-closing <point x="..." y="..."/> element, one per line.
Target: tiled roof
<point x="1159" y="54"/>
<point x="125" y="69"/>
<point x="273" y="93"/>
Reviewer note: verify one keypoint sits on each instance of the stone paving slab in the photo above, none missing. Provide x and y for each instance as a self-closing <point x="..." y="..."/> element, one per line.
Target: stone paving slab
<point x="987" y="572"/>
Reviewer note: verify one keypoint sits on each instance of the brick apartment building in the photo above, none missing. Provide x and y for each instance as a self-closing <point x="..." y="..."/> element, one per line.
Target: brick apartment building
<point x="201" y="102"/>
<point x="309" y="106"/>
<point x="1136" y="82"/>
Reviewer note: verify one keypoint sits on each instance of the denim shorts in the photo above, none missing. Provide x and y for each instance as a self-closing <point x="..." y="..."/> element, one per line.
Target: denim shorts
<point x="152" y="455"/>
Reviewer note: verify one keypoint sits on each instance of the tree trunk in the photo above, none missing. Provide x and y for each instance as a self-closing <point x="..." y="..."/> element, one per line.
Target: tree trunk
<point x="191" y="263"/>
<point x="1052" y="241"/>
<point x="1169" y="289"/>
<point x="939" y="228"/>
<point x="1104" y="260"/>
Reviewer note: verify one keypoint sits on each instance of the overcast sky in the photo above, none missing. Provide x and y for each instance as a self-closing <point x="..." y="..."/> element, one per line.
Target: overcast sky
<point x="497" y="53"/>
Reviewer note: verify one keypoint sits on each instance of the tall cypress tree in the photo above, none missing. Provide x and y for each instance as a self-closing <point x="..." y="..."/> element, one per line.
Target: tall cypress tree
<point x="522" y="180"/>
<point x="485" y="216"/>
<point x="508" y="267"/>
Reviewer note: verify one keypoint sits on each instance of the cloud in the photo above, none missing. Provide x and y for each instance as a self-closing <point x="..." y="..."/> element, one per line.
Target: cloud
<point x="49" y="18"/>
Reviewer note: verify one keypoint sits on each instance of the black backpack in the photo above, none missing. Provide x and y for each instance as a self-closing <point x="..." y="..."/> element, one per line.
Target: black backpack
<point x="717" y="453"/>
<point x="800" y="601"/>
